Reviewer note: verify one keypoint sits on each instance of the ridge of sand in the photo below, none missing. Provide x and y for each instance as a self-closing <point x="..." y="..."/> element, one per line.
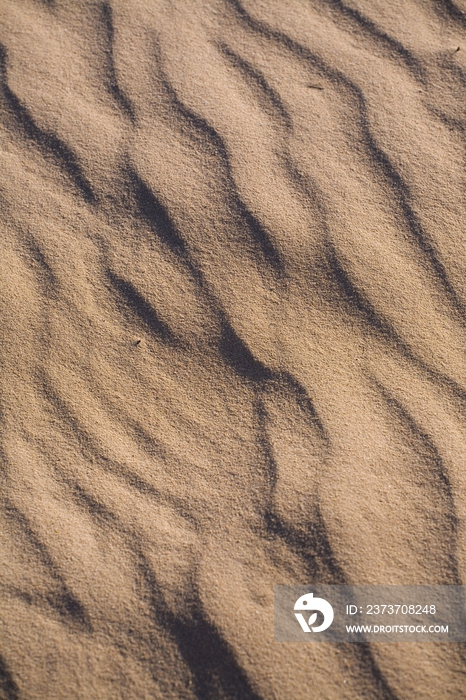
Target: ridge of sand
<point x="233" y="340"/>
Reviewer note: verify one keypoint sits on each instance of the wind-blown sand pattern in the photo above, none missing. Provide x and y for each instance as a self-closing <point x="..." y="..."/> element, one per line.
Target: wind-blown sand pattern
<point x="233" y="312"/>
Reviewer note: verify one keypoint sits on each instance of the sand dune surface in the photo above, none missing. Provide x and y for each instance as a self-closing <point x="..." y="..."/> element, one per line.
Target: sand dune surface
<point x="233" y="340"/>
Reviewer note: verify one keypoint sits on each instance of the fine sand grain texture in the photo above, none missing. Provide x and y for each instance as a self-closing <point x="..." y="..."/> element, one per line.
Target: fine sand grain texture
<point x="233" y="340"/>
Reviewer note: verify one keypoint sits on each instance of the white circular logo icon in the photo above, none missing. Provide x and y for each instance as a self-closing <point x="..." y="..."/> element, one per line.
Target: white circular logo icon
<point x="308" y="603"/>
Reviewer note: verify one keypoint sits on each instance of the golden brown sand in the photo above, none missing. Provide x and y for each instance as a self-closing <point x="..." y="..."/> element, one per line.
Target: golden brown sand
<point x="233" y="340"/>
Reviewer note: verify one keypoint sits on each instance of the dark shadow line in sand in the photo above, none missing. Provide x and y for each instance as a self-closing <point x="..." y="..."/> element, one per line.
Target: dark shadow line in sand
<point x="260" y="236"/>
<point x="216" y="673"/>
<point x="64" y="603"/>
<point x="355" y="298"/>
<point x="44" y="272"/>
<point x="155" y="214"/>
<point x="367" y="663"/>
<point x="457" y="125"/>
<point x="139" y="643"/>
<point x="236" y="354"/>
<point x="313" y="547"/>
<point x="356" y="304"/>
<point x="360" y="306"/>
<point x="135" y="482"/>
<point x="307" y="188"/>
<point x="120" y="98"/>
<point x="401" y="197"/>
<point x="401" y="194"/>
<point x="396" y="50"/>
<point x="269" y="99"/>
<point x="452" y="10"/>
<point x="200" y="129"/>
<point x="8" y="687"/>
<point x="271" y="102"/>
<point x="97" y="510"/>
<point x="311" y="544"/>
<point x="91" y="450"/>
<point x="265" y="449"/>
<point x="437" y="468"/>
<point x="358" y="23"/>
<point x="134" y="302"/>
<point x="286" y="384"/>
<point x="50" y="145"/>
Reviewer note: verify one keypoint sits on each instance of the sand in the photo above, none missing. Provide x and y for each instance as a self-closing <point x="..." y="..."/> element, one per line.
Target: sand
<point x="233" y="340"/>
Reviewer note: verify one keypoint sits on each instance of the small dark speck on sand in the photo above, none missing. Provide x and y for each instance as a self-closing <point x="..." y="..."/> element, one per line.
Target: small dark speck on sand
<point x="315" y="87"/>
<point x="456" y="50"/>
<point x="137" y="342"/>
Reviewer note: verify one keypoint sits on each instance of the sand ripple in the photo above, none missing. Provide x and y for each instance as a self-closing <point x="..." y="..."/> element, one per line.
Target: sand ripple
<point x="233" y="339"/>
